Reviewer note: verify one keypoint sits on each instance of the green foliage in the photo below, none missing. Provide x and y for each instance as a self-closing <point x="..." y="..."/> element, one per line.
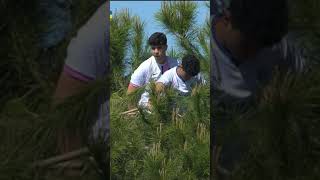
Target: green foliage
<point x="140" y="49"/>
<point x="178" y="19"/>
<point x="305" y="20"/>
<point x="120" y="26"/>
<point x="120" y="32"/>
<point x="28" y="136"/>
<point x="127" y="44"/>
<point x="280" y="130"/>
<point x="283" y="131"/>
<point x="172" y="140"/>
<point x="28" y="122"/>
<point x="173" y="53"/>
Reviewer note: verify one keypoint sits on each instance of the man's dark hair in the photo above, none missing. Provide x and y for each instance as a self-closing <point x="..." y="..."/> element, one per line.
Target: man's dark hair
<point x="157" y="39"/>
<point x="261" y="22"/>
<point x="191" y="65"/>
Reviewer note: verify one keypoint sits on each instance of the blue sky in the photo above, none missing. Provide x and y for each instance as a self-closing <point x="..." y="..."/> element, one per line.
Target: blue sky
<point x="146" y="11"/>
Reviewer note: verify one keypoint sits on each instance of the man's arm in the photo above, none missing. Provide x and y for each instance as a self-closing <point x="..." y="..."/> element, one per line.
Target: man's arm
<point x="85" y="61"/>
<point x="134" y="84"/>
<point x="68" y="86"/>
<point x="137" y="78"/>
<point x="132" y="88"/>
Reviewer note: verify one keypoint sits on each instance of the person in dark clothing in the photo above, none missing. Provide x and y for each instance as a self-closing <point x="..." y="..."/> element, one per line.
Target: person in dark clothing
<point x="250" y="39"/>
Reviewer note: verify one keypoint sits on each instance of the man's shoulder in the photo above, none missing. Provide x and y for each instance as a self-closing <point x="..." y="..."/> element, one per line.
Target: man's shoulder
<point x="285" y="44"/>
<point x="173" y="61"/>
<point x="289" y="52"/>
<point x="169" y="73"/>
<point x="147" y="62"/>
<point x="168" y="76"/>
<point x="172" y="71"/>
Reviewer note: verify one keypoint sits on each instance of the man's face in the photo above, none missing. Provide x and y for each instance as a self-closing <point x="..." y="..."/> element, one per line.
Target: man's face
<point x="159" y="51"/>
<point x="232" y="39"/>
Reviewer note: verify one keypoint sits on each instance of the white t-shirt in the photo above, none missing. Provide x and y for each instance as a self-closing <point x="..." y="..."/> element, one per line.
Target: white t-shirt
<point x="148" y="71"/>
<point x="171" y="78"/>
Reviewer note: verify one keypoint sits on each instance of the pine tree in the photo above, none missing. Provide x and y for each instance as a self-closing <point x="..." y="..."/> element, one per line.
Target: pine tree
<point x="173" y="141"/>
<point x="28" y="75"/>
<point x="281" y="130"/>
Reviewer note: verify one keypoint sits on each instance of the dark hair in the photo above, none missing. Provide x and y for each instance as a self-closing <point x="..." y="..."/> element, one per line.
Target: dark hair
<point x="262" y="22"/>
<point x="157" y="39"/>
<point x="191" y="65"/>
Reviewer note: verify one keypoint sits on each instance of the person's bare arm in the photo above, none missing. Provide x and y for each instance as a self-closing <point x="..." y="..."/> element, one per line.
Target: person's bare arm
<point x="68" y="86"/>
<point x="131" y="88"/>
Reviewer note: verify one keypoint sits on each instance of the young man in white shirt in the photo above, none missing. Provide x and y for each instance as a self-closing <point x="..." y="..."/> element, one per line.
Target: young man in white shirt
<point x="152" y="68"/>
<point x="183" y="77"/>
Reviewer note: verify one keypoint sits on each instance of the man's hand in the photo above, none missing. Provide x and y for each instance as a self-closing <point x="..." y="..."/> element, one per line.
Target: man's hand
<point x="160" y="87"/>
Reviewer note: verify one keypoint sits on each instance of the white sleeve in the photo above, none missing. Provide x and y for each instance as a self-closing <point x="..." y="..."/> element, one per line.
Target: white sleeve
<point x="139" y="76"/>
<point x="166" y="78"/>
<point x="87" y="56"/>
<point x="201" y="79"/>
